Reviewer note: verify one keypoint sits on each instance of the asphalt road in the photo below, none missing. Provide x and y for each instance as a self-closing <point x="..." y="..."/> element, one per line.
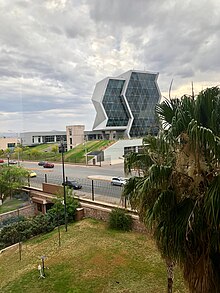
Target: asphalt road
<point x="77" y="171"/>
<point x="80" y="173"/>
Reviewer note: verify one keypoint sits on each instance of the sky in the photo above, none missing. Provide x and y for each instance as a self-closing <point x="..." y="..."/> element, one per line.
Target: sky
<point x="53" y="52"/>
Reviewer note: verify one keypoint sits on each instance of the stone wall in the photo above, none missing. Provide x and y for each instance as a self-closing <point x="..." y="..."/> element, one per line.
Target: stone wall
<point x="102" y="213"/>
<point x="27" y="211"/>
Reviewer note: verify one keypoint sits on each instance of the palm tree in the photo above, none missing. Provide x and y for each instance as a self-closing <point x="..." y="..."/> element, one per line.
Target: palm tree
<point x="178" y="193"/>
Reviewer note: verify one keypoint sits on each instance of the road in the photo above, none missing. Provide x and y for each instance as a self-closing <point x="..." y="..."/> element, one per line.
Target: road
<point x="77" y="171"/>
<point x="80" y="174"/>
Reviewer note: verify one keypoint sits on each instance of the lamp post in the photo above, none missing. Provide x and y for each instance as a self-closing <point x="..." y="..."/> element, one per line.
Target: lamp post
<point x="18" y="146"/>
<point x="8" y="157"/>
<point x="43" y="265"/>
<point x="64" y="183"/>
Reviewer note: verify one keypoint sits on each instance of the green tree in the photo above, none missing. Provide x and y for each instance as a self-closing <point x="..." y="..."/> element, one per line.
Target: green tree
<point x="56" y="213"/>
<point x="178" y="194"/>
<point x="11" y="179"/>
<point x="34" y="153"/>
<point x="55" y="149"/>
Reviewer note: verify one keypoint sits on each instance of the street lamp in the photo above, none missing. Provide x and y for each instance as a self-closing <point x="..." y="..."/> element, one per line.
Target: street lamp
<point x="43" y="265"/>
<point x="8" y="157"/>
<point x="64" y="183"/>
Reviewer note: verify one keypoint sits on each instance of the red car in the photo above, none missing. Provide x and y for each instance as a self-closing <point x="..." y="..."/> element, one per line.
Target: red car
<point x="48" y="165"/>
<point x="1" y="161"/>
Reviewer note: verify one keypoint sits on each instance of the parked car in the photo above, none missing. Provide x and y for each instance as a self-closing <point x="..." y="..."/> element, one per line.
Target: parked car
<point x="119" y="181"/>
<point x="1" y="161"/>
<point x="32" y="174"/>
<point x="48" y="165"/>
<point x="41" y="163"/>
<point x="73" y="184"/>
<point x="12" y="162"/>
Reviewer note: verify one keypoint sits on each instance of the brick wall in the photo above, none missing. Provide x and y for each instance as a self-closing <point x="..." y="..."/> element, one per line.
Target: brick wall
<point x="27" y="211"/>
<point x="52" y="188"/>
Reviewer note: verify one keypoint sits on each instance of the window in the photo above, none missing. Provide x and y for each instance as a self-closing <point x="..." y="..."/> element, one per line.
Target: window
<point x="71" y="140"/>
<point x="11" y="145"/>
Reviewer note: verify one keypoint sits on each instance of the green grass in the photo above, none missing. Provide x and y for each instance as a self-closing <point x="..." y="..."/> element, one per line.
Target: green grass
<point x="10" y="205"/>
<point x="76" y="155"/>
<point x="91" y="259"/>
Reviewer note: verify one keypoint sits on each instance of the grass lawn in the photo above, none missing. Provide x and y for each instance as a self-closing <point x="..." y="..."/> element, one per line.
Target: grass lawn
<point x="10" y="205"/>
<point x="91" y="259"/>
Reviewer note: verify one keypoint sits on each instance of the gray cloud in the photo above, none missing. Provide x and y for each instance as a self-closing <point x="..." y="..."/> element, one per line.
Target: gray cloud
<point x="53" y="52"/>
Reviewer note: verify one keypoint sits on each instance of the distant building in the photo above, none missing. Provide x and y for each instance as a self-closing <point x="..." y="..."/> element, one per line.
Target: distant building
<point x="35" y="138"/>
<point x="125" y="105"/>
<point x="74" y="135"/>
<point x="8" y="143"/>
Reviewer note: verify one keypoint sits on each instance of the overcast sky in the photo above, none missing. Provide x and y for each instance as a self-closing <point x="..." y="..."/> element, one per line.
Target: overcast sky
<point x="54" y="51"/>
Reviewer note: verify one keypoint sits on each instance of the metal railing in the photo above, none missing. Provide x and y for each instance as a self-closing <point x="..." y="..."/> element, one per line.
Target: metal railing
<point x="95" y="190"/>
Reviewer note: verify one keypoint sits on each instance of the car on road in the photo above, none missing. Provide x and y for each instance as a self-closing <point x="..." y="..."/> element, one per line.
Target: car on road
<point x="12" y="162"/>
<point x="119" y="181"/>
<point x="48" y="165"/>
<point x="41" y="163"/>
<point x="1" y="161"/>
<point x="32" y="174"/>
<point x="73" y="184"/>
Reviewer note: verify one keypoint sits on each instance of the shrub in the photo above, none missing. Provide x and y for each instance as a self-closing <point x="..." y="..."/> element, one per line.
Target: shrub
<point x="56" y="213"/>
<point x="11" y="220"/>
<point x="119" y="220"/>
<point x="25" y="229"/>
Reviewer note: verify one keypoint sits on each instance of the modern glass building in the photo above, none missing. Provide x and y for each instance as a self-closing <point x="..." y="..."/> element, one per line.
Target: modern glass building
<point x="125" y="105"/>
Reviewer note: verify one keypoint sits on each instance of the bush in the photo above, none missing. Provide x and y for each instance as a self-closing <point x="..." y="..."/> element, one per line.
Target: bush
<point x="24" y="229"/>
<point x="119" y="220"/>
<point x="56" y="213"/>
<point x="11" y="220"/>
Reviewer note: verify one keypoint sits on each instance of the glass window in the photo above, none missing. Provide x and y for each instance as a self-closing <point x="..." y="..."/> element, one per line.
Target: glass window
<point x="142" y="95"/>
<point x="114" y="104"/>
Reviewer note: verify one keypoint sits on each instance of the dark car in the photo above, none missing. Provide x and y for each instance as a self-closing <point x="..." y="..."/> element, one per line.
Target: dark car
<point x="1" y="161"/>
<point x="48" y="165"/>
<point x="73" y="184"/>
<point x="42" y="163"/>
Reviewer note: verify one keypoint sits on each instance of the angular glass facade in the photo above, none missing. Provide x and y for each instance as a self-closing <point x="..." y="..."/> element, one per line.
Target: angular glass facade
<point x="142" y="95"/>
<point x="114" y="104"/>
<point x="127" y="103"/>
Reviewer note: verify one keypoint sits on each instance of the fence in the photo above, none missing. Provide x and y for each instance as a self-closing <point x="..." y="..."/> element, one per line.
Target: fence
<point x="96" y="190"/>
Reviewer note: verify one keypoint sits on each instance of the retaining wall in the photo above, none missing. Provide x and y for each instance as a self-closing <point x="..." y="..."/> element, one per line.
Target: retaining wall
<point x="27" y="211"/>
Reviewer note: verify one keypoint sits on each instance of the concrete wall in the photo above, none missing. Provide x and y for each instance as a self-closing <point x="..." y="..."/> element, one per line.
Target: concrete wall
<point x="116" y="151"/>
<point x="74" y="135"/>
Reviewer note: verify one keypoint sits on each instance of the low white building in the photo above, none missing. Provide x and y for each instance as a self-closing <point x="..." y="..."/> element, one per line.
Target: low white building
<point x="35" y="138"/>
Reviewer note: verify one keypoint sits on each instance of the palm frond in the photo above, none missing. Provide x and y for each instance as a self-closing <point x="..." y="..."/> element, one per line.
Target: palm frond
<point x="212" y="202"/>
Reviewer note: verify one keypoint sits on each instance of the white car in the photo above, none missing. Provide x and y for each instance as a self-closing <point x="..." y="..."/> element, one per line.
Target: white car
<point x="119" y="181"/>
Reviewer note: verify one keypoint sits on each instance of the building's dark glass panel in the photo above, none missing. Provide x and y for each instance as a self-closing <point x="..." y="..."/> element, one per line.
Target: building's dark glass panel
<point x="113" y="103"/>
<point x="142" y="95"/>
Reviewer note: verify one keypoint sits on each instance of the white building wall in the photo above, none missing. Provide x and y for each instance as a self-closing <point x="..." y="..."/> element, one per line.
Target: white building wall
<point x="116" y="151"/>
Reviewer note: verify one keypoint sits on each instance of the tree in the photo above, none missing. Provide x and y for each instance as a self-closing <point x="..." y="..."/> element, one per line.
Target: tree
<point x="56" y="213"/>
<point x="34" y="153"/>
<point x="11" y="179"/>
<point x="178" y="194"/>
<point x="55" y="149"/>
